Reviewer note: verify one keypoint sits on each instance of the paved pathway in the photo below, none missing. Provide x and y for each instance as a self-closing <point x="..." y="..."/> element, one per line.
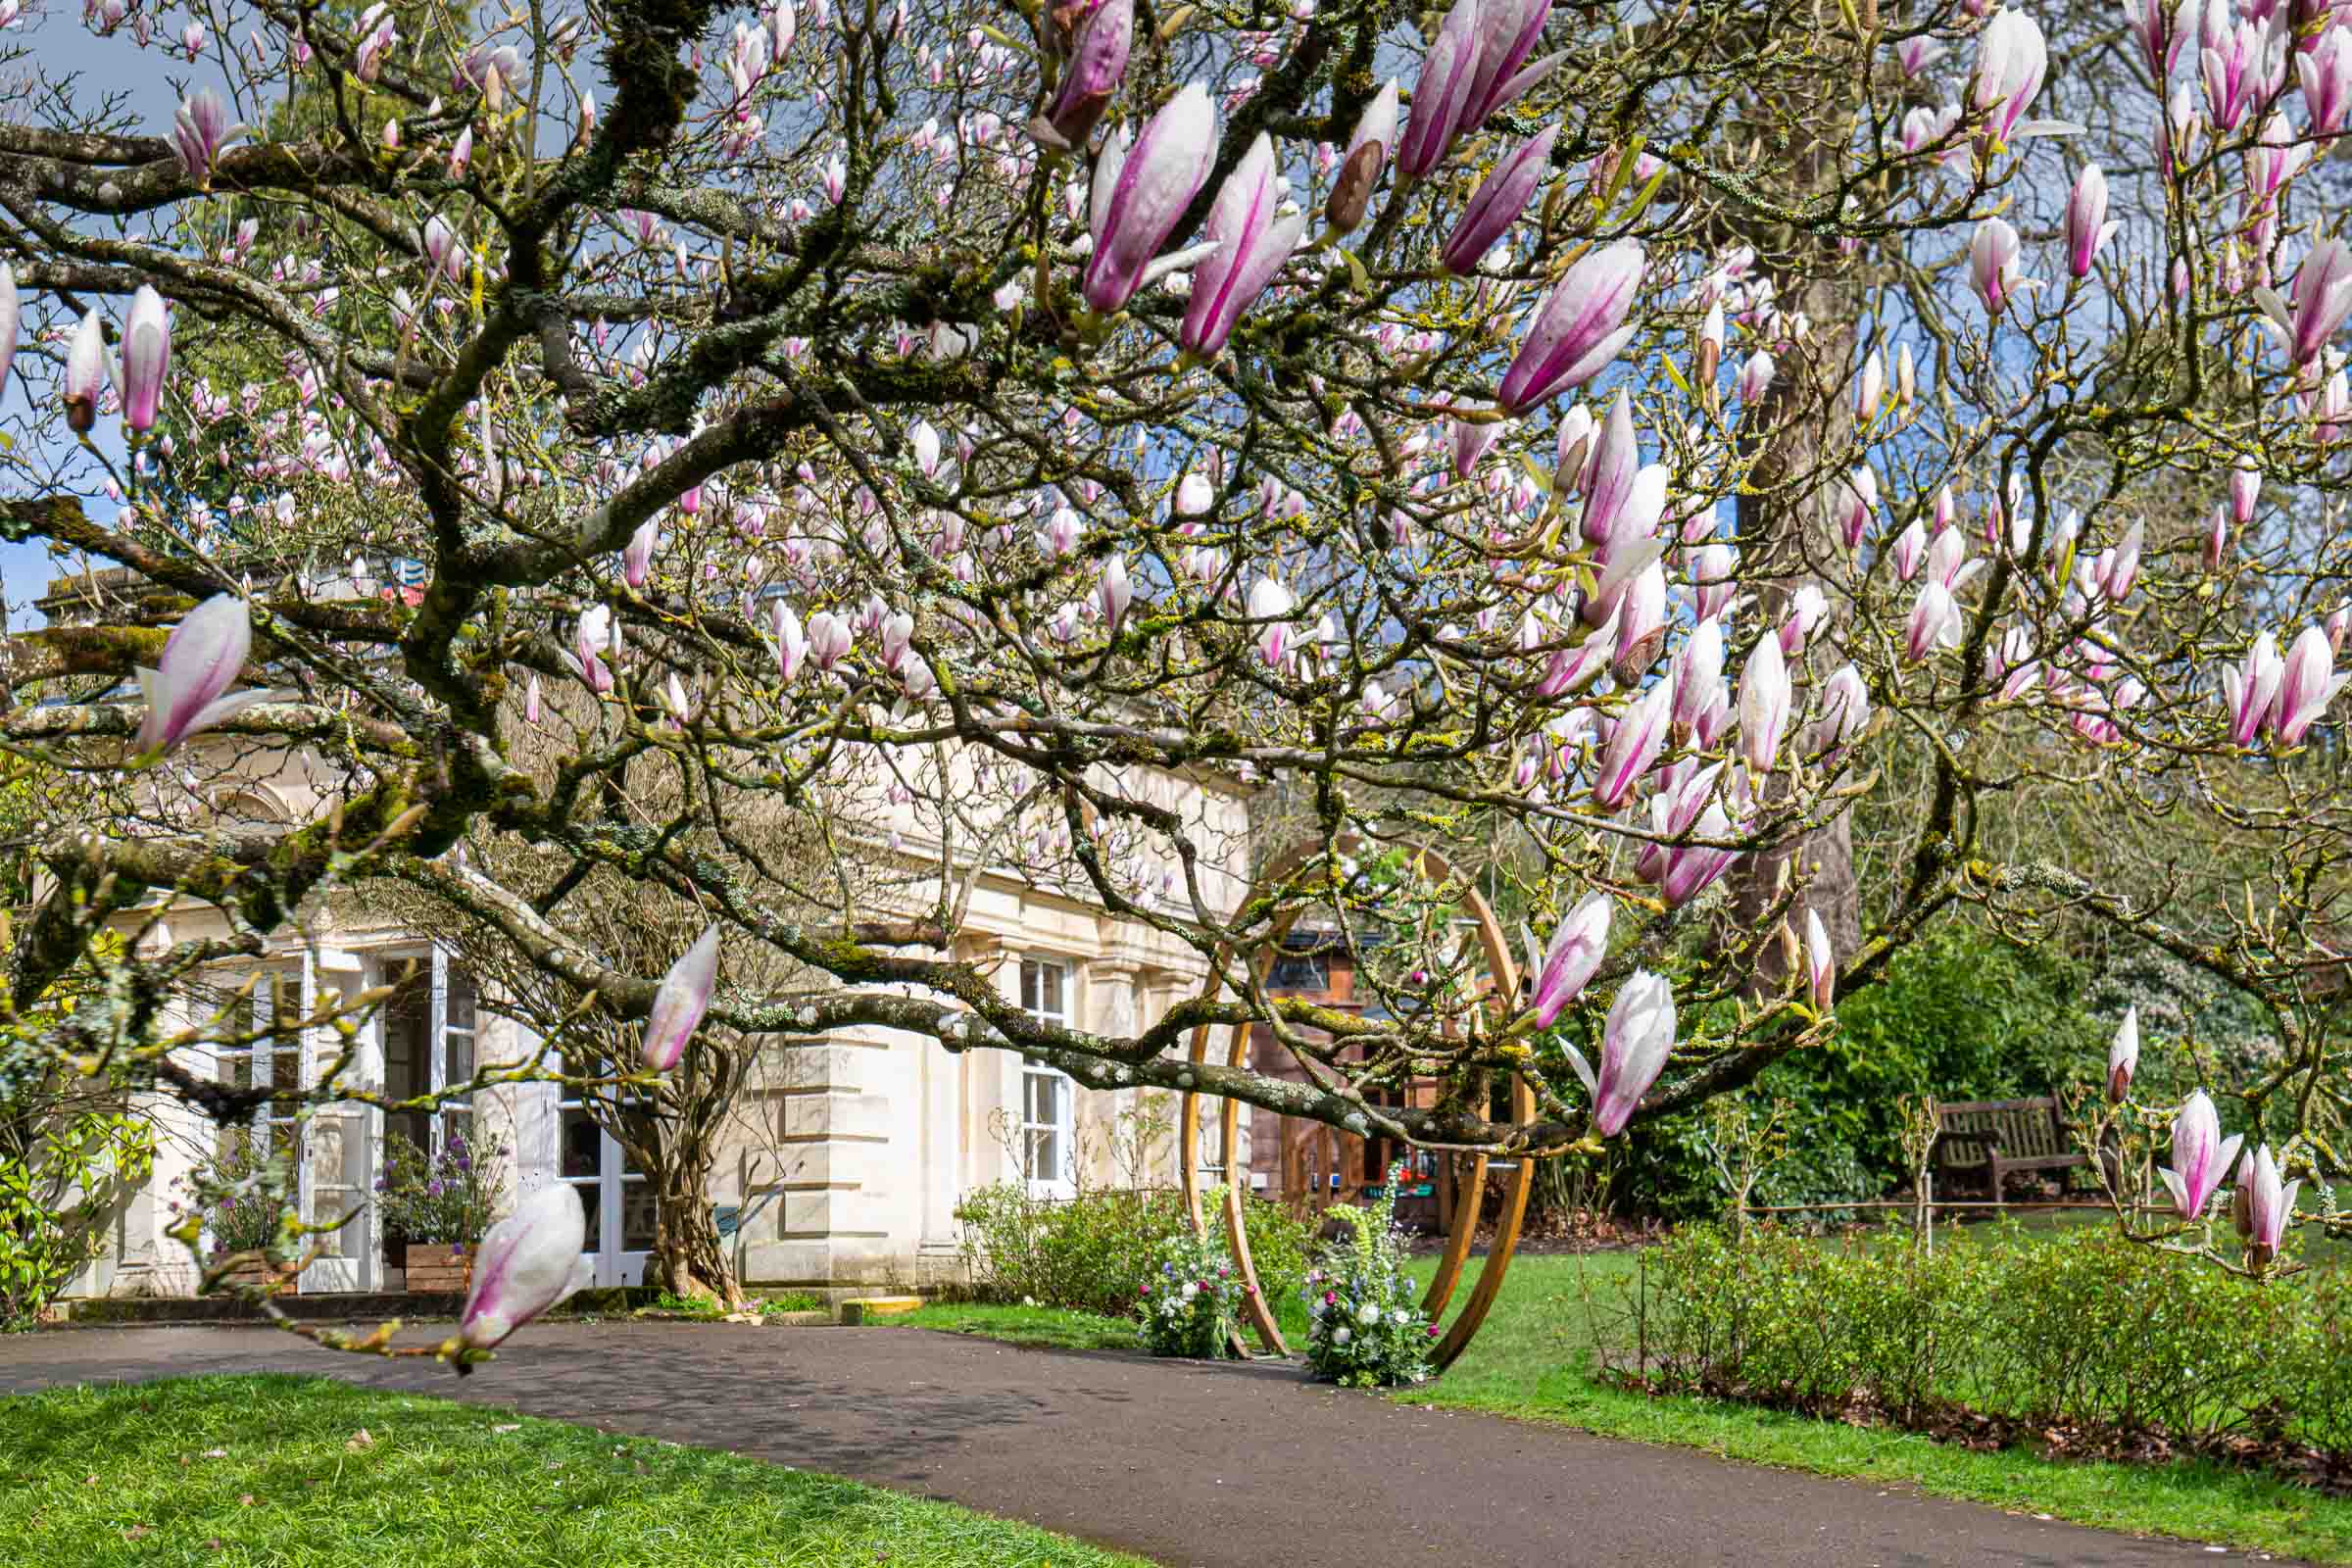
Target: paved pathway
<point x="1188" y="1464"/>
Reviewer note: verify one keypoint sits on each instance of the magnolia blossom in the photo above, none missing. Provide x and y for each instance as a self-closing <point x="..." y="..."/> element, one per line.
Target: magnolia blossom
<point x="637" y="556"/>
<point x="2089" y="228"/>
<point x="201" y="132"/>
<point x="2011" y="63"/>
<point x="2251" y="688"/>
<point x="1114" y="592"/>
<point x="591" y="639"/>
<point x="1272" y="603"/>
<point x="85" y="373"/>
<point x="1992" y="266"/>
<point x="1634" y="1044"/>
<point x="1497" y="203"/>
<point x="2316" y="303"/>
<point x="8" y="322"/>
<point x="2307" y="684"/>
<point x="2122" y="1057"/>
<point x="187" y="689"/>
<point x="1098" y="58"/>
<point x="1934" y="623"/>
<point x="680" y="1001"/>
<point x="829" y="639"/>
<point x="1578" y="944"/>
<point x="1633" y="746"/>
<point x="2201" y="1156"/>
<point x="1254" y="239"/>
<point x="1140" y="191"/>
<point x="526" y="1263"/>
<point x="1580" y="327"/>
<point x="2263" y="1205"/>
<point x="1763" y="704"/>
<point x="1821" y="962"/>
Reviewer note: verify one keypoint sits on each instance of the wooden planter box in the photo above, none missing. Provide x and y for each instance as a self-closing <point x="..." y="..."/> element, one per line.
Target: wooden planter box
<point x="438" y="1266"/>
<point x="252" y="1271"/>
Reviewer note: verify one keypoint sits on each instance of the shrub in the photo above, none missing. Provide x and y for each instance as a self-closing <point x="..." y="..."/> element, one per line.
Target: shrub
<point x="1192" y="1304"/>
<point x="1091" y="1253"/>
<point x="2084" y="1330"/>
<point x="1365" y="1325"/>
<point x="56" y="1205"/>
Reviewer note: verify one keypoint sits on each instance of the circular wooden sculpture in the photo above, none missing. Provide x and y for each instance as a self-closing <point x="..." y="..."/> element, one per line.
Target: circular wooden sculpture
<point x="1505" y="977"/>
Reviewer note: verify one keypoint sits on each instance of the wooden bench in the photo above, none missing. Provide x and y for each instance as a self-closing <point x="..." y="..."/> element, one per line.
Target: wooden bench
<point x="1990" y="1139"/>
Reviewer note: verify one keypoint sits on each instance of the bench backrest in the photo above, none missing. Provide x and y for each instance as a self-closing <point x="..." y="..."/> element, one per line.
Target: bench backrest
<point x="2027" y="1128"/>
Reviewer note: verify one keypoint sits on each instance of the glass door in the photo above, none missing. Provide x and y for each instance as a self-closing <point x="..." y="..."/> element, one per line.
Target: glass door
<point x="620" y="1202"/>
<point x="429" y="1034"/>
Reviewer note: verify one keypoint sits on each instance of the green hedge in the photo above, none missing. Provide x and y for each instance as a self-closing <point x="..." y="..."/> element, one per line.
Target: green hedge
<point x="1960" y="1016"/>
<point x="2083" y="1330"/>
<point x="1093" y="1252"/>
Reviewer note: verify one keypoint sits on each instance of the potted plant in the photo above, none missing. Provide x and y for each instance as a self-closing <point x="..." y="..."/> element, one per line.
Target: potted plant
<point x="241" y="1218"/>
<point x="436" y="1207"/>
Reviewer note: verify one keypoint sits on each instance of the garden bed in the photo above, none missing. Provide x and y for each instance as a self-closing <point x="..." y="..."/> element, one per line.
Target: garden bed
<point x="2078" y="1345"/>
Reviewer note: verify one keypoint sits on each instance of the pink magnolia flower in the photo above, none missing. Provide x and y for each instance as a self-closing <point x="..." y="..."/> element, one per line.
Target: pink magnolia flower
<point x="1099" y="42"/>
<point x="2122" y="1057"/>
<point x="680" y="1001"/>
<point x="201" y="659"/>
<point x="146" y="358"/>
<point x="1635" y="1046"/>
<point x="1578" y="944"/>
<point x="2307" y="684"/>
<point x="2089" y="228"/>
<point x="2201" y="1156"/>
<point x="1821" y="962"/>
<point x="1580" y="327"/>
<point x="527" y="1264"/>
<point x="1254" y="241"/>
<point x="1141" y="190"/>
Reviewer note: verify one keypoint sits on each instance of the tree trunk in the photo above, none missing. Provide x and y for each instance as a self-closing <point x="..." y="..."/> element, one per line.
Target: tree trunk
<point x="1782" y="527"/>
<point x="690" y="1258"/>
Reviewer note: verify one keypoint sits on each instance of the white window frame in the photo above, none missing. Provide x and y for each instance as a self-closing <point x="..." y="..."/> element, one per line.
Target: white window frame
<point x="1035" y="1076"/>
<point x="604" y="1193"/>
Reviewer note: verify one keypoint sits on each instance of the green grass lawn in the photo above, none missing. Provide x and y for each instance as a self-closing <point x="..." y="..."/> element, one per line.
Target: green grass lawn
<point x="1532" y="1361"/>
<point x="274" y="1470"/>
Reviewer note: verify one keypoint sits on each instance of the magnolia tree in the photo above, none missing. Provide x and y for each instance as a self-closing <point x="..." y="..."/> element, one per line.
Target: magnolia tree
<point x="1587" y="449"/>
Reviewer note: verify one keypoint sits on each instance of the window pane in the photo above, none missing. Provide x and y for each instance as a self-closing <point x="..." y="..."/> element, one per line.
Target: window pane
<point x="1028" y="984"/>
<point x="595" y="1212"/>
<point x="285" y="1065"/>
<point x="461" y="1055"/>
<point x="460" y="997"/>
<point x="236" y="1070"/>
<point x="330" y="1207"/>
<point x="582" y="1143"/>
<point x="636" y="1218"/>
<point x="1052" y="988"/>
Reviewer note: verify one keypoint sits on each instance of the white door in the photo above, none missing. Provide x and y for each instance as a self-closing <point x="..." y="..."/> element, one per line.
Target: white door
<point x="420" y="1043"/>
<point x="619" y="1203"/>
<point x="338" y="1161"/>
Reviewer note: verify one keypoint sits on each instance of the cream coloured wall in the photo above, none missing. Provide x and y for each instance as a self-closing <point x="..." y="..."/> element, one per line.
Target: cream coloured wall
<point x="849" y="1152"/>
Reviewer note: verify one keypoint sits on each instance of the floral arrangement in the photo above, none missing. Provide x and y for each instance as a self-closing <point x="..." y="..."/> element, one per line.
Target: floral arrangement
<point x="1192" y="1306"/>
<point x="450" y="1197"/>
<point x="1365" y="1325"/>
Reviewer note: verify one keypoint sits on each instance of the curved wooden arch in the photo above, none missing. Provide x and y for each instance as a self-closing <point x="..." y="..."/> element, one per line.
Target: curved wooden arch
<point x="1505" y="973"/>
